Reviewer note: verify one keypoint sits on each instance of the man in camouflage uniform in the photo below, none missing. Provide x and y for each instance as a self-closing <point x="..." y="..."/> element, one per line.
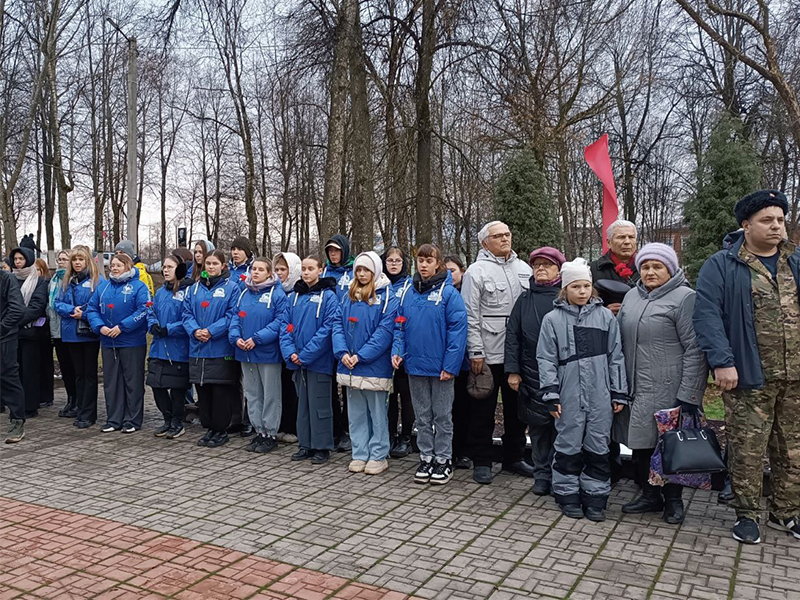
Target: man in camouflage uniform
<point x="747" y="319"/>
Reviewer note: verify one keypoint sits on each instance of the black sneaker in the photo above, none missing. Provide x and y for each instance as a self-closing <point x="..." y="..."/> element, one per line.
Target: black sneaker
<point x="163" y="430"/>
<point x="320" y="457"/>
<point x="598" y="515"/>
<point x="462" y="462"/>
<point x="442" y="473"/>
<point x="790" y="525"/>
<point x="344" y="445"/>
<point x="401" y="447"/>
<point x="218" y="439"/>
<point x="175" y="432"/>
<point x="302" y="454"/>
<point x="746" y="531"/>
<point x="268" y="444"/>
<point x="424" y="471"/>
<point x="203" y="441"/>
<point x="247" y="431"/>
<point x="251" y="447"/>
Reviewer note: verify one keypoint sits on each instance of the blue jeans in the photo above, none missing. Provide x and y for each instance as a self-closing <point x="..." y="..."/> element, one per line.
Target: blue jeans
<point x="433" y="407"/>
<point x="369" y="424"/>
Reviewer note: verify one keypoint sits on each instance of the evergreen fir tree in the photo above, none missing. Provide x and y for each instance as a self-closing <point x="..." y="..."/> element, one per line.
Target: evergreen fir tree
<point x="523" y="203"/>
<point x="731" y="170"/>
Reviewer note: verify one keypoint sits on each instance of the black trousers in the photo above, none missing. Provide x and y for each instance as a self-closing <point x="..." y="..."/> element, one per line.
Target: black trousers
<point x="84" y="359"/>
<point x="214" y="405"/>
<point x="405" y="410"/>
<point x="481" y="425"/>
<point x="462" y="416"/>
<point x="10" y="385"/>
<point x="288" y="402"/>
<point x="35" y="359"/>
<point x="341" y="424"/>
<point x="641" y="466"/>
<point x="66" y="366"/>
<point x="171" y="404"/>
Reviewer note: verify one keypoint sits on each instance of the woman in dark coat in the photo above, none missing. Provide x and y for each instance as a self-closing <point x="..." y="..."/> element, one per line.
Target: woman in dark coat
<point x="34" y="330"/>
<point x="522" y="337"/>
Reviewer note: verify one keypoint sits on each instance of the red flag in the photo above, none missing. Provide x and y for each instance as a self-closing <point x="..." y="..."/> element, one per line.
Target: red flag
<point x="599" y="161"/>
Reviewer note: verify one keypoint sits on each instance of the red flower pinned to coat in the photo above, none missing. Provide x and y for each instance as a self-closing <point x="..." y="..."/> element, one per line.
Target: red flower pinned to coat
<point x="205" y="303"/>
<point x="242" y="314"/>
<point x="290" y="328"/>
<point x="623" y="270"/>
<point x="243" y="277"/>
<point x="352" y="319"/>
<point x="110" y="306"/>
<point x="400" y="320"/>
<point x="148" y="304"/>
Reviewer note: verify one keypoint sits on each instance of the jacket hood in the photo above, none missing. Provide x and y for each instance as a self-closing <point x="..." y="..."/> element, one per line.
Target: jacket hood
<point x="425" y="286"/>
<point x="403" y="270"/>
<point x="484" y="254"/>
<point x="382" y="282"/>
<point x="344" y="244"/>
<point x="676" y="281"/>
<point x="732" y="238"/>
<point x="295" y="269"/>
<point x="324" y="283"/>
<point x="26" y="252"/>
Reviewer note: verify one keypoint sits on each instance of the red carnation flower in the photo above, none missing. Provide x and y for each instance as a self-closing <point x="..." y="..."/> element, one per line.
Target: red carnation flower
<point x="290" y="328"/>
<point x="148" y="304"/>
<point x="400" y="320"/>
<point x="204" y="303"/>
<point x="352" y="319"/>
<point x="110" y="306"/>
<point x="242" y="314"/>
<point x="242" y="276"/>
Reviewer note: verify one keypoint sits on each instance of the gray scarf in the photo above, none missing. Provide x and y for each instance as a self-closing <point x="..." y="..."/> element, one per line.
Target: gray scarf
<point x="29" y="277"/>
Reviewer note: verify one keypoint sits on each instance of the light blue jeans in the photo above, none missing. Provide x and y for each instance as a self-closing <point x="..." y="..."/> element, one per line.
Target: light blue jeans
<point x="369" y="423"/>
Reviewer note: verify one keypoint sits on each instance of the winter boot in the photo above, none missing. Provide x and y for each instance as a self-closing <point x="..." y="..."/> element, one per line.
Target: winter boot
<point x="650" y="501"/>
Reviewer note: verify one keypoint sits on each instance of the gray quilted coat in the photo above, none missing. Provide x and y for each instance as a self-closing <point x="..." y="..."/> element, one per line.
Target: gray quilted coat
<point x="663" y="362"/>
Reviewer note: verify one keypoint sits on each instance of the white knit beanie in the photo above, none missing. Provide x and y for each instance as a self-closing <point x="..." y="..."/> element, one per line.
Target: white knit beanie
<point x="371" y="261"/>
<point x="576" y="270"/>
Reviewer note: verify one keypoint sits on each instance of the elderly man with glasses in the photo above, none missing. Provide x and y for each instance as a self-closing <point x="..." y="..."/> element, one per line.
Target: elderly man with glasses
<point x="490" y="289"/>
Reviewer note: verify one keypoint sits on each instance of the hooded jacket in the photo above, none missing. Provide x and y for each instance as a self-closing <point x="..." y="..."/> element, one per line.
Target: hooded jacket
<point x="209" y="304"/>
<point x="343" y="272"/>
<point x="723" y="312"/>
<point x="78" y="293"/>
<point x="490" y="288"/>
<point x="295" y="269"/>
<point x="367" y="331"/>
<point x="124" y="303"/>
<point x="400" y="281"/>
<point x="580" y="356"/>
<point x="522" y="336"/>
<point x="431" y="328"/>
<point x="33" y="325"/>
<point x="12" y="308"/>
<point x="259" y="315"/>
<point x="309" y="326"/>
<point x="167" y="313"/>
<point x="239" y="273"/>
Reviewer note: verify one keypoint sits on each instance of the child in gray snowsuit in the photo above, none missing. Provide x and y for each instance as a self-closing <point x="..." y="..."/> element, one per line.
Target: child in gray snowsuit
<point x="582" y="377"/>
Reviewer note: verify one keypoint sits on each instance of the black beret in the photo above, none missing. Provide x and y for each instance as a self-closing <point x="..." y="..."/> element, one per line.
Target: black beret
<point x="752" y="203"/>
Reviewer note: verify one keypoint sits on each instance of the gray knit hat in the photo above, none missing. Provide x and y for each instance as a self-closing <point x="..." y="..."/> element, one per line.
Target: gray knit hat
<point x="659" y="252"/>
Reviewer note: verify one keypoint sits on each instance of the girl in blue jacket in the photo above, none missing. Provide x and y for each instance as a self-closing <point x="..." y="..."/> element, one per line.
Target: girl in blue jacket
<point x="118" y="313"/>
<point x="307" y="349"/>
<point x="207" y="310"/>
<point x="168" y="365"/>
<point x="430" y="339"/>
<point x="83" y="346"/>
<point x="395" y="266"/>
<point x="362" y="341"/>
<point x="254" y="333"/>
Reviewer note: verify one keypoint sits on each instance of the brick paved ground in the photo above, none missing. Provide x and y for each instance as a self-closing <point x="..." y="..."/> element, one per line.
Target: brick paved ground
<point x="187" y="522"/>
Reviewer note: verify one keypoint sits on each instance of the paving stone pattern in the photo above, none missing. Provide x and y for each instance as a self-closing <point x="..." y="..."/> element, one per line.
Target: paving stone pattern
<point x="225" y="523"/>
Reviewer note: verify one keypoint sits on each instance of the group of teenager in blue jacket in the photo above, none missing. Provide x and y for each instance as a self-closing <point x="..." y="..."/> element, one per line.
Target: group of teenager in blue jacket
<point x="217" y="326"/>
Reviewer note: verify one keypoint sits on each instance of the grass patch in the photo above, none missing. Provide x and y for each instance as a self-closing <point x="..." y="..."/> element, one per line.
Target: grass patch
<point x="712" y="404"/>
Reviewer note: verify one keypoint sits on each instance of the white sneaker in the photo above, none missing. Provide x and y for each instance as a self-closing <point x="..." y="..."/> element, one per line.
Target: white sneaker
<point x="280" y="436"/>
<point x="375" y="467"/>
<point x="356" y="466"/>
<point x="108" y="429"/>
<point x="128" y="429"/>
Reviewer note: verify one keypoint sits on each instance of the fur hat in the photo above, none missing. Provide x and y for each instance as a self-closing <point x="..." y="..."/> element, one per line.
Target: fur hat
<point x="576" y="270"/>
<point x="659" y="252"/>
<point x="752" y="203"/>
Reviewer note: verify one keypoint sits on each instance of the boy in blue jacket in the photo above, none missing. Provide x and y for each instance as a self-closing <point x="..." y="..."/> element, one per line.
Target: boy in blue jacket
<point x="255" y="331"/>
<point x="430" y="339"/>
<point x="307" y="349"/>
<point x="117" y="312"/>
<point x="362" y="341"/>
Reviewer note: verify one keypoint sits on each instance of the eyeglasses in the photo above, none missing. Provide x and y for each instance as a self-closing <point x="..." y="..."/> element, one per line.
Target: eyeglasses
<point x="501" y="236"/>
<point x="542" y="266"/>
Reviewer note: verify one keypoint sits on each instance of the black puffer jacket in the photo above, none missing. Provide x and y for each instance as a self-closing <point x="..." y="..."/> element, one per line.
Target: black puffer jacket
<point x="522" y="336"/>
<point x="12" y="308"/>
<point x="37" y="307"/>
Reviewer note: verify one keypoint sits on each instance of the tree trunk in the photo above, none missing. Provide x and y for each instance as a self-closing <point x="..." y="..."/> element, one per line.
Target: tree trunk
<point x="424" y="217"/>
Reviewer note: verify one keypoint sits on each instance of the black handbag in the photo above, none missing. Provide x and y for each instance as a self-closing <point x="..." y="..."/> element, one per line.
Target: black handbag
<point x="691" y="451"/>
<point x="83" y="329"/>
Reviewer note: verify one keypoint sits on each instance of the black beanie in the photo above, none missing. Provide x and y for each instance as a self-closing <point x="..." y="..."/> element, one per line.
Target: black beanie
<point x="242" y="243"/>
<point x="752" y="203"/>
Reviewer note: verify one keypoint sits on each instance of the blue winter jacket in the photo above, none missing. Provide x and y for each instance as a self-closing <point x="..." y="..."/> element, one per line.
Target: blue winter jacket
<point x="220" y="302"/>
<point x="122" y="303"/>
<point x="240" y="273"/>
<point x="309" y="325"/>
<point x="433" y="337"/>
<point x="399" y="287"/>
<point x="723" y="312"/>
<point x="343" y="277"/>
<point x="78" y="293"/>
<point x="259" y="315"/>
<point x="369" y="336"/>
<point x="167" y="312"/>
